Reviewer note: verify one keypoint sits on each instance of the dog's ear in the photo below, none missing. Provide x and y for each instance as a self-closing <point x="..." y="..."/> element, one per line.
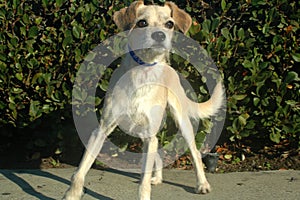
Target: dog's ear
<point x="125" y="17"/>
<point x="183" y="21"/>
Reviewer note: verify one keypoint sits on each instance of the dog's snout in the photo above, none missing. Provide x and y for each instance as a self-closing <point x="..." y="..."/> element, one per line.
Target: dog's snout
<point x="158" y="36"/>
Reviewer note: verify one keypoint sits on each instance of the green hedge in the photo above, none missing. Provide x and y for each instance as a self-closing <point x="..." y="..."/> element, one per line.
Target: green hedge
<point x="254" y="43"/>
<point x="42" y="45"/>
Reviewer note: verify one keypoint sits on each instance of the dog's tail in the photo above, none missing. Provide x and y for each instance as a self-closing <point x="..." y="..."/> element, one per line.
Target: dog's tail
<point x="210" y="107"/>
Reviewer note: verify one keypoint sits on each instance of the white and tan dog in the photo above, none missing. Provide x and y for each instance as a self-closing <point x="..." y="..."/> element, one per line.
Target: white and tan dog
<point x="141" y="89"/>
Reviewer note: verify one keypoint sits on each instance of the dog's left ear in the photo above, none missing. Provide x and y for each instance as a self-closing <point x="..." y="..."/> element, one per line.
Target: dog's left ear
<point x="183" y="21"/>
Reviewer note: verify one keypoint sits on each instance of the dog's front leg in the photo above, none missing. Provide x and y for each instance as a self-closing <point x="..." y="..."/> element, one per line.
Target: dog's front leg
<point x="92" y="150"/>
<point x="75" y="190"/>
<point x="149" y="156"/>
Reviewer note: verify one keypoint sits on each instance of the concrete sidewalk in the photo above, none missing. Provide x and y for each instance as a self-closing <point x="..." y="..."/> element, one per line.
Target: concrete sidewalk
<point x="52" y="183"/>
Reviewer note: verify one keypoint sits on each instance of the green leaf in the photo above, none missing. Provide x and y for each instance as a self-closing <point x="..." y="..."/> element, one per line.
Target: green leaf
<point x="266" y="29"/>
<point x="223" y="5"/>
<point x="90" y="56"/>
<point x="239" y="97"/>
<point x="206" y="25"/>
<point x="38" y="20"/>
<point x="19" y="76"/>
<point x="248" y="64"/>
<point x="241" y="34"/>
<point x="17" y="90"/>
<point x="47" y="78"/>
<point x="296" y="56"/>
<point x="59" y="3"/>
<point x="291" y="102"/>
<point x="23" y="30"/>
<point x="45" y="3"/>
<point x="228" y="156"/>
<point x="15" y="4"/>
<point x="14" y="41"/>
<point x="225" y="33"/>
<point x="33" y="32"/>
<point x="34" y="109"/>
<point x="25" y="19"/>
<point x="78" y="56"/>
<point x="243" y="119"/>
<point x="291" y="76"/>
<point x="275" y="136"/>
<point x="76" y="31"/>
<point x="36" y="77"/>
<point x="67" y="41"/>
<point x="256" y="101"/>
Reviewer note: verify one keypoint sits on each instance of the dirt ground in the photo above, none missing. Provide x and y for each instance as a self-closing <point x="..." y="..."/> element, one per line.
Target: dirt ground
<point x="254" y="155"/>
<point x="249" y="156"/>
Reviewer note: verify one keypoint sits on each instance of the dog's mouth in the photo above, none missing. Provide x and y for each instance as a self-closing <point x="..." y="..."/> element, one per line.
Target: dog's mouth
<point x="158" y="47"/>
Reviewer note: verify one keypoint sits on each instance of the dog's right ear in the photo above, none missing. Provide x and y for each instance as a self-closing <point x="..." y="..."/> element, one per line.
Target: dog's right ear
<point x="125" y="17"/>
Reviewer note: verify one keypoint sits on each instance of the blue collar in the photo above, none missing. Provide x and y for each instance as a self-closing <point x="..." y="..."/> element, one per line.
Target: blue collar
<point x="138" y="60"/>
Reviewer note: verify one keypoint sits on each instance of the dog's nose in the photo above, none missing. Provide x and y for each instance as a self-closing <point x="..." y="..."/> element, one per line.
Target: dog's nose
<point x="158" y="36"/>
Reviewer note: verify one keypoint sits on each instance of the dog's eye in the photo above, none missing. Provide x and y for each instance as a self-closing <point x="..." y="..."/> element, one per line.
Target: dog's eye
<point x="142" y="23"/>
<point x="169" y="24"/>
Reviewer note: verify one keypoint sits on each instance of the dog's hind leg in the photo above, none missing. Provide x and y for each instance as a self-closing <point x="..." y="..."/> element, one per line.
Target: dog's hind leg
<point x="157" y="176"/>
<point x="186" y="128"/>
<point x="149" y="156"/>
<point x="181" y="115"/>
<point x="92" y="150"/>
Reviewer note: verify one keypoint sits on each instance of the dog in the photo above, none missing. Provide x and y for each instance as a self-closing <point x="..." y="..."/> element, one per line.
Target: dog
<point x="142" y="88"/>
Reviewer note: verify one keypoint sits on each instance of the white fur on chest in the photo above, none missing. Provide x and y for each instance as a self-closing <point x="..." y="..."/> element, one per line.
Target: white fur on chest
<point x="139" y="97"/>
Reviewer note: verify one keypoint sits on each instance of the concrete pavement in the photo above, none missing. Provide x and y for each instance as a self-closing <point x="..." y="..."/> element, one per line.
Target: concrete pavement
<point x="178" y="184"/>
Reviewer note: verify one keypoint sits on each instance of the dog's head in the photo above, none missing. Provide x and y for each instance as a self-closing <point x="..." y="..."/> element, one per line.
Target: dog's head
<point x="151" y="26"/>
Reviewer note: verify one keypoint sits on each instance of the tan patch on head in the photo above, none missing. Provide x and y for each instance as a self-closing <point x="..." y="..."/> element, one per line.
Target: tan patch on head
<point x="183" y="21"/>
<point x="125" y="18"/>
<point x="156" y="16"/>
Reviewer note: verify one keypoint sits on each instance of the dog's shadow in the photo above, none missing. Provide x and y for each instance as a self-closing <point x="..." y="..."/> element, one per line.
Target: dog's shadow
<point x="12" y="175"/>
<point x="137" y="177"/>
<point x="29" y="189"/>
<point x="186" y="188"/>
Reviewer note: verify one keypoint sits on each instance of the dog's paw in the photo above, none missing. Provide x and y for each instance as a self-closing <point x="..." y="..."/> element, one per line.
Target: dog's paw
<point x="145" y="198"/>
<point x="72" y="195"/>
<point x="156" y="180"/>
<point x="67" y="197"/>
<point x="203" y="188"/>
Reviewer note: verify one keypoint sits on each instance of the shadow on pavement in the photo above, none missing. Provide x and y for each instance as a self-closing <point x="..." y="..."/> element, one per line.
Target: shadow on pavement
<point x="137" y="176"/>
<point x="26" y="187"/>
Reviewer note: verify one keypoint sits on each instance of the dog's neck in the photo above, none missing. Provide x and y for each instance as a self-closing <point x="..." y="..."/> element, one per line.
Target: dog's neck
<point x="145" y="58"/>
<point x="139" y="60"/>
